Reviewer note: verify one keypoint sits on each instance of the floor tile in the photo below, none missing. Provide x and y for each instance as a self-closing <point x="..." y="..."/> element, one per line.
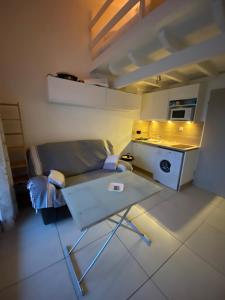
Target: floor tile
<point x="116" y="275"/>
<point x="167" y="193"/>
<point x="217" y="219"/>
<point x="152" y="256"/>
<point x="51" y="283"/>
<point x="181" y="214"/>
<point x="222" y="204"/>
<point x="69" y="232"/>
<point x="23" y="253"/>
<point x="145" y="205"/>
<point x="147" y="292"/>
<point x="186" y="276"/>
<point x="27" y="220"/>
<point x="199" y="194"/>
<point x="209" y="243"/>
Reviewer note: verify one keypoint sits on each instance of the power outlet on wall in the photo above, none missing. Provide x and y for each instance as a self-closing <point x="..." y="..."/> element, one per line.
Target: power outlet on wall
<point x="181" y="129"/>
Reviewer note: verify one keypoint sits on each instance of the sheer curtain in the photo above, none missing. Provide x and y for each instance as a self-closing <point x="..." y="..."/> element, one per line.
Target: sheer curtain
<point x="7" y="197"/>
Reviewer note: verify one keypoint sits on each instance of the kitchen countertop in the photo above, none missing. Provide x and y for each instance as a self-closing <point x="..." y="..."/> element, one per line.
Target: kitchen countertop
<point x="167" y="145"/>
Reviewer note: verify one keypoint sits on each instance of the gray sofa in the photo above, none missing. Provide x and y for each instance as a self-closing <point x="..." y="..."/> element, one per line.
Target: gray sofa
<point x="79" y="161"/>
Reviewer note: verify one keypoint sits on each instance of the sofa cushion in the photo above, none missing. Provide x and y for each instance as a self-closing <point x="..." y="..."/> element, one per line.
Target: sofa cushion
<point x="74" y="157"/>
<point x="87" y="176"/>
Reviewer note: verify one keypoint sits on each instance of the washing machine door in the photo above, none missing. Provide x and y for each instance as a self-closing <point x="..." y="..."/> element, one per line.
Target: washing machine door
<point x="167" y="169"/>
<point x="165" y="166"/>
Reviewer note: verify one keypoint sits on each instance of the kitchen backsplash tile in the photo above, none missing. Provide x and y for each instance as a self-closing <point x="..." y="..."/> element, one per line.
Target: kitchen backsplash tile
<point x="143" y="127"/>
<point x="172" y="131"/>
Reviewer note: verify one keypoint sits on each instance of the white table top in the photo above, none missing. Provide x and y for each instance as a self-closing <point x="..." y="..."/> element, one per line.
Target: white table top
<point x="91" y="202"/>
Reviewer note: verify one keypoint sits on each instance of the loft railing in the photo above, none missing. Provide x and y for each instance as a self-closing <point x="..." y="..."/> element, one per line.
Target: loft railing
<point x="114" y="17"/>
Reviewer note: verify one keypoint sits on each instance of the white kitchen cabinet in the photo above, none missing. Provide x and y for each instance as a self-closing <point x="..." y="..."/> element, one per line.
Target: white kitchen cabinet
<point x="189" y="166"/>
<point x="182" y="164"/>
<point x="155" y="106"/>
<point x="144" y="156"/>
<point x="189" y="92"/>
<point x="184" y="92"/>
<point x="70" y="92"/>
<point x="119" y="100"/>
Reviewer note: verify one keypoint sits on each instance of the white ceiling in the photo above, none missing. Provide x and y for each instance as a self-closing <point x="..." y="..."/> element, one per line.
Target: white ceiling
<point x="170" y="29"/>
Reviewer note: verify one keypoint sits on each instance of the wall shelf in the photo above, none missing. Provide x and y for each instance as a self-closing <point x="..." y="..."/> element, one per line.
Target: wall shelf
<point x="63" y="91"/>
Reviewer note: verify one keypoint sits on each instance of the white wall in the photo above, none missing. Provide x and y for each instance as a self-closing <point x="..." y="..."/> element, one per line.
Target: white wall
<point x="46" y="36"/>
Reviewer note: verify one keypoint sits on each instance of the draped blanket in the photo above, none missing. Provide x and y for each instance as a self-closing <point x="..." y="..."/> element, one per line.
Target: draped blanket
<point x="43" y="194"/>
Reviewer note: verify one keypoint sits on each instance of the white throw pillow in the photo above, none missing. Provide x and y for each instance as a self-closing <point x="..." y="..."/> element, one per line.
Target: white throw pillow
<point x="111" y="162"/>
<point x="57" y="178"/>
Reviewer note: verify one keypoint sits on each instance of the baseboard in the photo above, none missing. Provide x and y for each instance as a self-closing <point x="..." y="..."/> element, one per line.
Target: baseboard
<point x="143" y="171"/>
<point x="185" y="185"/>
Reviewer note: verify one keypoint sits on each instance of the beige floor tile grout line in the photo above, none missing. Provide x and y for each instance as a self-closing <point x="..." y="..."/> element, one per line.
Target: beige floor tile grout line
<point x="183" y="244"/>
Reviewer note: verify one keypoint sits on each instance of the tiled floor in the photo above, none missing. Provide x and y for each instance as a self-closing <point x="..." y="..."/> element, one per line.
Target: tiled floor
<point x="186" y="259"/>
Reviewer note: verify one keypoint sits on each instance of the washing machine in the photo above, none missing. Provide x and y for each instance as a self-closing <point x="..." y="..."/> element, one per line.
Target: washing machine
<point x="168" y="165"/>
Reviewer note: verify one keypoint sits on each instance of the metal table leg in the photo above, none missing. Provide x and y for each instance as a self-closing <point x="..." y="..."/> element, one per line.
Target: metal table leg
<point x="132" y="228"/>
<point x="77" y="282"/>
<point x="135" y="229"/>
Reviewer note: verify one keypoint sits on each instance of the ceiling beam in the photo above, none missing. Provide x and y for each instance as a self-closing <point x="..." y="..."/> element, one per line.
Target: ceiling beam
<point x="169" y="41"/>
<point x="100" y="13"/>
<point x="116" y="18"/>
<point x="145" y="30"/>
<point x="137" y="59"/>
<point x="218" y="11"/>
<point x="149" y="82"/>
<point x="207" y="68"/>
<point x="191" y="55"/>
<point x="115" y="69"/>
<point x="142" y="8"/>
<point x="176" y="76"/>
<point x="172" y="45"/>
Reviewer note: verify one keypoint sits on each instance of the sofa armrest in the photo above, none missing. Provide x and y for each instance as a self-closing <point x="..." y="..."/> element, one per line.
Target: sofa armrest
<point x="124" y="166"/>
<point x="43" y="194"/>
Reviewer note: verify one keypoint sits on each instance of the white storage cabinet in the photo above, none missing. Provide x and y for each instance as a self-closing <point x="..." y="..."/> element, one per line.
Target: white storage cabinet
<point x="155" y="106"/>
<point x="70" y="92"/>
<point x="144" y="156"/>
<point x="122" y="101"/>
<point x="63" y="91"/>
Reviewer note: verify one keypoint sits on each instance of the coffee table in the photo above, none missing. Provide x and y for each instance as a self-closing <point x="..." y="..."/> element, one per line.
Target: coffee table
<point x="91" y="203"/>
